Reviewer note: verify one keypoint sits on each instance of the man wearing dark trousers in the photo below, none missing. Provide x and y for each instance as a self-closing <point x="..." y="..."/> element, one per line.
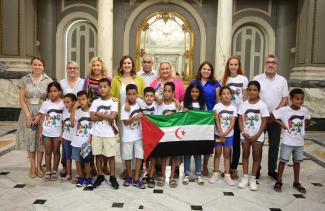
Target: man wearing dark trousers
<point x="274" y="92"/>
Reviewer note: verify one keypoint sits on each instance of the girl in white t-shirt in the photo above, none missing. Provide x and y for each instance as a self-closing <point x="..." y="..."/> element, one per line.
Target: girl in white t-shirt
<point x="226" y="114"/>
<point x="253" y="114"/>
<point x="169" y="106"/>
<point x="193" y="100"/>
<point x="68" y="129"/>
<point x="235" y="79"/>
<point x="51" y="130"/>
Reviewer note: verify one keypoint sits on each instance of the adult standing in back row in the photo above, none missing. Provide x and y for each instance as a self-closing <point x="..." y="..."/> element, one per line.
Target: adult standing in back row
<point x="274" y="93"/>
<point x="148" y="74"/>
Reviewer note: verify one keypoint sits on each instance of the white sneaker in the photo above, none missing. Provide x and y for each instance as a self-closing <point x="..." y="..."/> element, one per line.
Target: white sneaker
<point x="214" y="177"/>
<point x="228" y="179"/>
<point x="243" y="182"/>
<point x="186" y="180"/>
<point x="252" y="184"/>
<point x="199" y="180"/>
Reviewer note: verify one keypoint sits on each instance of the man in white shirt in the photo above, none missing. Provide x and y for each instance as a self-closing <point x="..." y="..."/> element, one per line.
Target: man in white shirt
<point x="147" y="73"/>
<point x="274" y="93"/>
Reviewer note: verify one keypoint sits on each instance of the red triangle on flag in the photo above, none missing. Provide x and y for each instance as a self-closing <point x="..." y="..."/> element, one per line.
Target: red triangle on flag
<point x="151" y="135"/>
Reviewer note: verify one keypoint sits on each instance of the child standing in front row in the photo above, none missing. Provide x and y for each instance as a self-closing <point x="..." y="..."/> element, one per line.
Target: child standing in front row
<point x="169" y="106"/>
<point x="69" y="100"/>
<point x="131" y="137"/>
<point x="292" y="118"/>
<point x="51" y="130"/>
<point x="226" y="114"/>
<point x="253" y="114"/>
<point x="80" y="119"/>
<point x="103" y="113"/>
<point x="149" y="106"/>
<point x="193" y="100"/>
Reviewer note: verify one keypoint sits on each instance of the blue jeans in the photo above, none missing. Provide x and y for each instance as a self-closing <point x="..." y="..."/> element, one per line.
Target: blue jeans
<point x="187" y="164"/>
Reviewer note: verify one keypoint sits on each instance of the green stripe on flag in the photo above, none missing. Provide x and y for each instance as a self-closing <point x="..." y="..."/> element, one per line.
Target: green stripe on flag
<point x="193" y="117"/>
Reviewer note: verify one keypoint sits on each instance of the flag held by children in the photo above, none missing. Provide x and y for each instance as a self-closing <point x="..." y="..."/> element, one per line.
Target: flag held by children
<point x="181" y="133"/>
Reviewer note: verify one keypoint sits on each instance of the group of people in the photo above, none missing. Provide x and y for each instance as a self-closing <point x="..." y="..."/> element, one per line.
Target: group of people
<point x="87" y="116"/>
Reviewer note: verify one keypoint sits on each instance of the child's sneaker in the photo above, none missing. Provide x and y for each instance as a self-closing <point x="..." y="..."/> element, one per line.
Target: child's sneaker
<point x="127" y="181"/>
<point x="214" y="177"/>
<point x="186" y="180"/>
<point x="243" y="182"/>
<point x="278" y="186"/>
<point x="199" y="180"/>
<point x="89" y="182"/>
<point x="114" y="183"/>
<point x="80" y="182"/>
<point x="252" y="184"/>
<point x="99" y="180"/>
<point x="139" y="184"/>
<point x="234" y="174"/>
<point x="228" y="179"/>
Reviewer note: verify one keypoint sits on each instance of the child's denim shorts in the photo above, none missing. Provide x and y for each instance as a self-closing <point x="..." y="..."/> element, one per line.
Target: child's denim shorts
<point x="296" y="151"/>
<point x="77" y="157"/>
<point x="228" y="141"/>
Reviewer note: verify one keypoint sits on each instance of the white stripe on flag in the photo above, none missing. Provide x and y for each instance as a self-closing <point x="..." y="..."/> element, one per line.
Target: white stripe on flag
<point x="188" y="133"/>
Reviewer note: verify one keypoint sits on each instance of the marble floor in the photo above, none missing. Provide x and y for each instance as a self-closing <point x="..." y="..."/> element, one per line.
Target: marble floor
<point x="19" y="192"/>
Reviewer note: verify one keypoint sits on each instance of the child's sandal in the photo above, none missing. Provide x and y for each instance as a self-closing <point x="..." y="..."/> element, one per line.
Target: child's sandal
<point x="172" y="183"/>
<point x="278" y="186"/>
<point x="186" y="180"/>
<point x="54" y="176"/>
<point x="161" y="182"/>
<point x="47" y="176"/>
<point x="299" y="187"/>
<point x="151" y="182"/>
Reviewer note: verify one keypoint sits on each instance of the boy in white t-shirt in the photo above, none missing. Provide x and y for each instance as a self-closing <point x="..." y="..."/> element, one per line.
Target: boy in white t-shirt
<point x="80" y="120"/>
<point x="292" y="118"/>
<point x="132" y="137"/>
<point x="103" y="113"/>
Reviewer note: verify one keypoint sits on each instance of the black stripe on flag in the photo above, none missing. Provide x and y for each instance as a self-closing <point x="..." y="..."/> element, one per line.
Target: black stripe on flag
<point x="175" y="148"/>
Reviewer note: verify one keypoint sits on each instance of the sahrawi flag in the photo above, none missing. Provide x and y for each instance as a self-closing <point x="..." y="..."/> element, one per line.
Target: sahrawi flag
<point x="181" y="133"/>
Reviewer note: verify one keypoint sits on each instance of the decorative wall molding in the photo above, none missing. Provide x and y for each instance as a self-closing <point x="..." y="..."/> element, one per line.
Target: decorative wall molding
<point x="60" y="38"/>
<point x="262" y="25"/>
<point x="64" y="7"/>
<point x="268" y="12"/>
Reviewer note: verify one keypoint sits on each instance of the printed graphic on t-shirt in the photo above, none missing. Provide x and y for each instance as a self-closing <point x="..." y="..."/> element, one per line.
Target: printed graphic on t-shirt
<point x="67" y="125"/>
<point x="136" y="123"/>
<point x="149" y="110"/>
<point x="83" y="127"/>
<point x="53" y="117"/>
<point x="166" y="111"/>
<point x="295" y="125"/>
<point x="236" y="90"/>
<point x="224" y="117"/>
<point x="251" y="117"/>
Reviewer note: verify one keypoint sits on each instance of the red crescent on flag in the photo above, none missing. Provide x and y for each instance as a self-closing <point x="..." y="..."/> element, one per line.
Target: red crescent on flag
<point x="176" y="133"/>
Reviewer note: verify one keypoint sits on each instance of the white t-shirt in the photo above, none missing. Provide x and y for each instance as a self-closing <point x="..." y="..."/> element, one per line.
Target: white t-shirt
<point x="52" y="124"/>
<point x="131" y="132"/>
<point x="82" y="128"/>
<point x="148" y="109"/>
<point x="237" y="84"/>
<point x="67" y="126"/>
<point x="272" y="90"/>
<point x="103" y="128"/>
<point x="295" y="122"/>
<point x="163" y="108"/>
<point x="252" y="117"/>
<point x="67" y="89"/>
<point x="224" y="113"/>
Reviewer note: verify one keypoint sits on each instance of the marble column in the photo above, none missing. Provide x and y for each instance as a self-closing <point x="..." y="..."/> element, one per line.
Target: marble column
<point x="46" y="31"/>
<point x="224" y="35"/>
<point x="105" y="33"/>
<point x="285" y="32"/>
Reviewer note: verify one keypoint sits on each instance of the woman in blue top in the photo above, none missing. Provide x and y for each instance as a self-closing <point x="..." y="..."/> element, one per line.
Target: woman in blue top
<point x="205" y="77"/>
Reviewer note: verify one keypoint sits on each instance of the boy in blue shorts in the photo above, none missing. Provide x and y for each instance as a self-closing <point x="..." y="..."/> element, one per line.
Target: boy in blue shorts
<point x="292" y="118"/>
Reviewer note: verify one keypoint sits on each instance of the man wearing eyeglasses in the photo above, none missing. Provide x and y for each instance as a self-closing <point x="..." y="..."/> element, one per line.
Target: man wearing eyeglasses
<point x="274" y="92"/>
<point x="147" y="73"/>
